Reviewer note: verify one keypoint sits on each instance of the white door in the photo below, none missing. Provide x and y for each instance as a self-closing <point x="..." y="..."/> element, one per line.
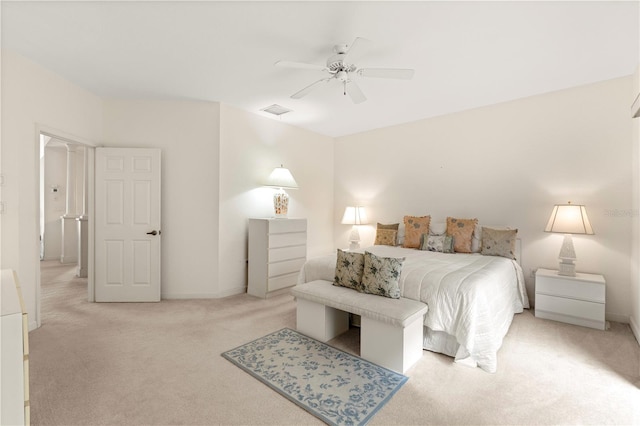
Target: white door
<point x="127" y="226"/>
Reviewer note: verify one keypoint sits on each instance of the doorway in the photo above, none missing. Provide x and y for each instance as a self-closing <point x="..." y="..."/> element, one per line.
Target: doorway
<point x="65" y="203"/>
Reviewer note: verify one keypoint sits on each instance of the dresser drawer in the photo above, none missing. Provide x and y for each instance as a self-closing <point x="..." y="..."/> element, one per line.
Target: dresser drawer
<point x="290" y="239"/>
<point x="282" y="281"/>
<point x="287" y="253"/>
<point x="286" y="267"/>
<point x="583" y="290"/>
<point x="280" y="226"/>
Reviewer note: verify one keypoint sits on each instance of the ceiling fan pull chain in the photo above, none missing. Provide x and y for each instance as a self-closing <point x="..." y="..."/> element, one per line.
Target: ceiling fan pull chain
<point x="344" y="85"/>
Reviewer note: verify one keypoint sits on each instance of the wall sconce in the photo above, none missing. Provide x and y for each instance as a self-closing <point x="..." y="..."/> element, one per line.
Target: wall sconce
<point x="354" y="216"/>
<point x="568" y="219"/>
<point x="281" y="178"/>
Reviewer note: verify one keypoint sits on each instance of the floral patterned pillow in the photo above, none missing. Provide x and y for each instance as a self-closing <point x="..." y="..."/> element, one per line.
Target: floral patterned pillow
<point x="439" y="243"/>
<point x="386" y="235"/>
<point x="414" y="227"/>
<point x="349" y="269"/>
<point x="382" y="275"/>
<point x="499" y="242"/>
<point x="462" y="231"/>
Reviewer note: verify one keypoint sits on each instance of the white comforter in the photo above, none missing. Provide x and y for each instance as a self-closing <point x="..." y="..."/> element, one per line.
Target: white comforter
<point x="470" y="297"/>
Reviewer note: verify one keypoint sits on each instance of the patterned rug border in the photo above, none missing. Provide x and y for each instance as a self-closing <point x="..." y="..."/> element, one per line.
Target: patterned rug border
<point x="310" y="410"/>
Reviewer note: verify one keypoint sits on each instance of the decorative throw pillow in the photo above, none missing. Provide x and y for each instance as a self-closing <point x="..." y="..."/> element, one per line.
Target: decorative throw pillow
<point x="386" y="235"/>
<point x="461" y="230"/>
<point x="349" y="268"/>
<point x="414" y="227"/>
<point x="439" y="243"/>
<point x="382" y="275"/>
<point x="499" y="242"/>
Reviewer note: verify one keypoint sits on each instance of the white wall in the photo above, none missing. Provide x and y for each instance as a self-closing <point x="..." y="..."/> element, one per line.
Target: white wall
<point x="250" y="147"/>
<point x="188" y="135"/>
<point x="508" y="164"/>
<point x="33" y="96"/>
<point x="634" y="319"/>
<point x="55" y="174"/>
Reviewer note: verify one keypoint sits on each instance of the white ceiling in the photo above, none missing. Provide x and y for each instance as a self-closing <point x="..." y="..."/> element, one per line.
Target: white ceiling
<point x="466" y="54"/>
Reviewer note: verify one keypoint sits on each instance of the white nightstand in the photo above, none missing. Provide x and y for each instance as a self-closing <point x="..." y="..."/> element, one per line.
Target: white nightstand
<point x="578" y="300"/>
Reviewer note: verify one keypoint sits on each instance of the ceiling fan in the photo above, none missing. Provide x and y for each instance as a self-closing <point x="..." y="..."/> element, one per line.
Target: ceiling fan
<point x="341" y="69"/>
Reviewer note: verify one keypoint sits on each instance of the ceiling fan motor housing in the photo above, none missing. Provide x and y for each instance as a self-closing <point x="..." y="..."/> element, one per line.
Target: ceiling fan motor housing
<point x="336" y="64"/>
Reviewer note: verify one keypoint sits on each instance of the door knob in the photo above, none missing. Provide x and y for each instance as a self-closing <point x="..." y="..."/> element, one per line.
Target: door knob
<point x="154" y="232"/>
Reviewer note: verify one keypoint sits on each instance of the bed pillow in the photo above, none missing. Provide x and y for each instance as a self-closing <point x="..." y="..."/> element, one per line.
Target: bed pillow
<point x="462" y="231"/>
<point x="349" y="269"/>
<point x="437" y="243"/>
<point x="382" y="275"/>
<point x="386" y="235"/>
<point x="414" y="227"/>
<point x="499" y="242"/>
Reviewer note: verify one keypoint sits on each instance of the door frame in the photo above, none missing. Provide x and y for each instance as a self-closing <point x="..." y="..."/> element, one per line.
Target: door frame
<point x="91" y="145"/>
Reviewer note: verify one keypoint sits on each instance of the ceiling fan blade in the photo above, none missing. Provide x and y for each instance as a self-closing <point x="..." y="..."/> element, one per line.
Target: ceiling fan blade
<point x="400" y="73"/>
<point x="354" y="48"/>
<point x="300" y="65"/>
<point x="354" y="92"/>
<point x="308" y="89"/>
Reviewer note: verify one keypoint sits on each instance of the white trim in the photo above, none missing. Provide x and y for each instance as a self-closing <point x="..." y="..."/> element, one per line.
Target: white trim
<point x="616" y="317"/>
<point x="635" y="328"/>
<point x="73" y="139"/>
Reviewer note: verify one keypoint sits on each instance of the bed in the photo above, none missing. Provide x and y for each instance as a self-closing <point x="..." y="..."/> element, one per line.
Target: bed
<point x="472" y="298"/>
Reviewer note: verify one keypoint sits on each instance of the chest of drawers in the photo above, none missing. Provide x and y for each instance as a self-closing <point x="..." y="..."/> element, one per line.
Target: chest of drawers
<point x="277" y="251"/>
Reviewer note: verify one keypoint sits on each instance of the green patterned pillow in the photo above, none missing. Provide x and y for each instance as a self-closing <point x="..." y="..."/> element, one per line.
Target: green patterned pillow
<point x="499" y="242"/>
<point x="439" y="243"/>
<point x="349" y="268"/>
<point x="382" y="275"/>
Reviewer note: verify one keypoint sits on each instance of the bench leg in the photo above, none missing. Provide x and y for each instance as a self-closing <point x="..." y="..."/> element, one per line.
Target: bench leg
<point x="395" y="348"/>
<point x="319" y="321"/>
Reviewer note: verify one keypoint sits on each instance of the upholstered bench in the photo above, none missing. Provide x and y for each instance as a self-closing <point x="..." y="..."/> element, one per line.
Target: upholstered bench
<point x="390" y="329"/>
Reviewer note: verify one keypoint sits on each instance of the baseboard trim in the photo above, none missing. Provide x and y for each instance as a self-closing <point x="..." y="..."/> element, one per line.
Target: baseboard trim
<point x="635" y="329"/>
<point x="220" y="295"/>
<point x="616" y="317"/>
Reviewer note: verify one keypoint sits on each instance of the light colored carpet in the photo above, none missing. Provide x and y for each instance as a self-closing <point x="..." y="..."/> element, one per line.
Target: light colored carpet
<point x="160" y="364"/>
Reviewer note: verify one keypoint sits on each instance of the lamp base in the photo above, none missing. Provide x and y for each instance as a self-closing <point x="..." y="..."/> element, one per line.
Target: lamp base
<point x="567" y="268"/>
<point x="281" y="204"/>
<point x="354" y="238"/>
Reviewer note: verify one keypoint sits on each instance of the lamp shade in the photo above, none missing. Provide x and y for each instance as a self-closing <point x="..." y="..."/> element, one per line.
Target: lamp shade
<point x="281" y="178"/>
<point x="569" y="219"/>
<point x="354" y="216"/>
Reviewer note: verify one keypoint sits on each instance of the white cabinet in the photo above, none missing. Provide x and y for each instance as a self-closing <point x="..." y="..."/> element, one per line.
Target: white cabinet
<point x="277" y="251"/>
<point x="576" y="300"/>
<point x="14" y="368"/>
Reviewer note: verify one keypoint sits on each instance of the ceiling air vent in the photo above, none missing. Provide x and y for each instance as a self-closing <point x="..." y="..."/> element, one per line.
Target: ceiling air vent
<point x="276" y="109"/>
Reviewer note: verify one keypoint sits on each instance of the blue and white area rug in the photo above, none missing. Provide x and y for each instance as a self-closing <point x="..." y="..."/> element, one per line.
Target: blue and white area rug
<point x="337" y="387"/>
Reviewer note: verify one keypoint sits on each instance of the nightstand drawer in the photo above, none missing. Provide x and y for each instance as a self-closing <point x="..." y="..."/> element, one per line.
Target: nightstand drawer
<point x="583" y="290"/>
<point x="570" y="307"/>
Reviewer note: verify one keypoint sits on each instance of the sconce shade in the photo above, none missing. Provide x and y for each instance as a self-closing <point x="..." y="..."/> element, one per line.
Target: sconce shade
<point x="354" y="216"/>
<point x="569" y="219"/>
<point x="281" y="178"/>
